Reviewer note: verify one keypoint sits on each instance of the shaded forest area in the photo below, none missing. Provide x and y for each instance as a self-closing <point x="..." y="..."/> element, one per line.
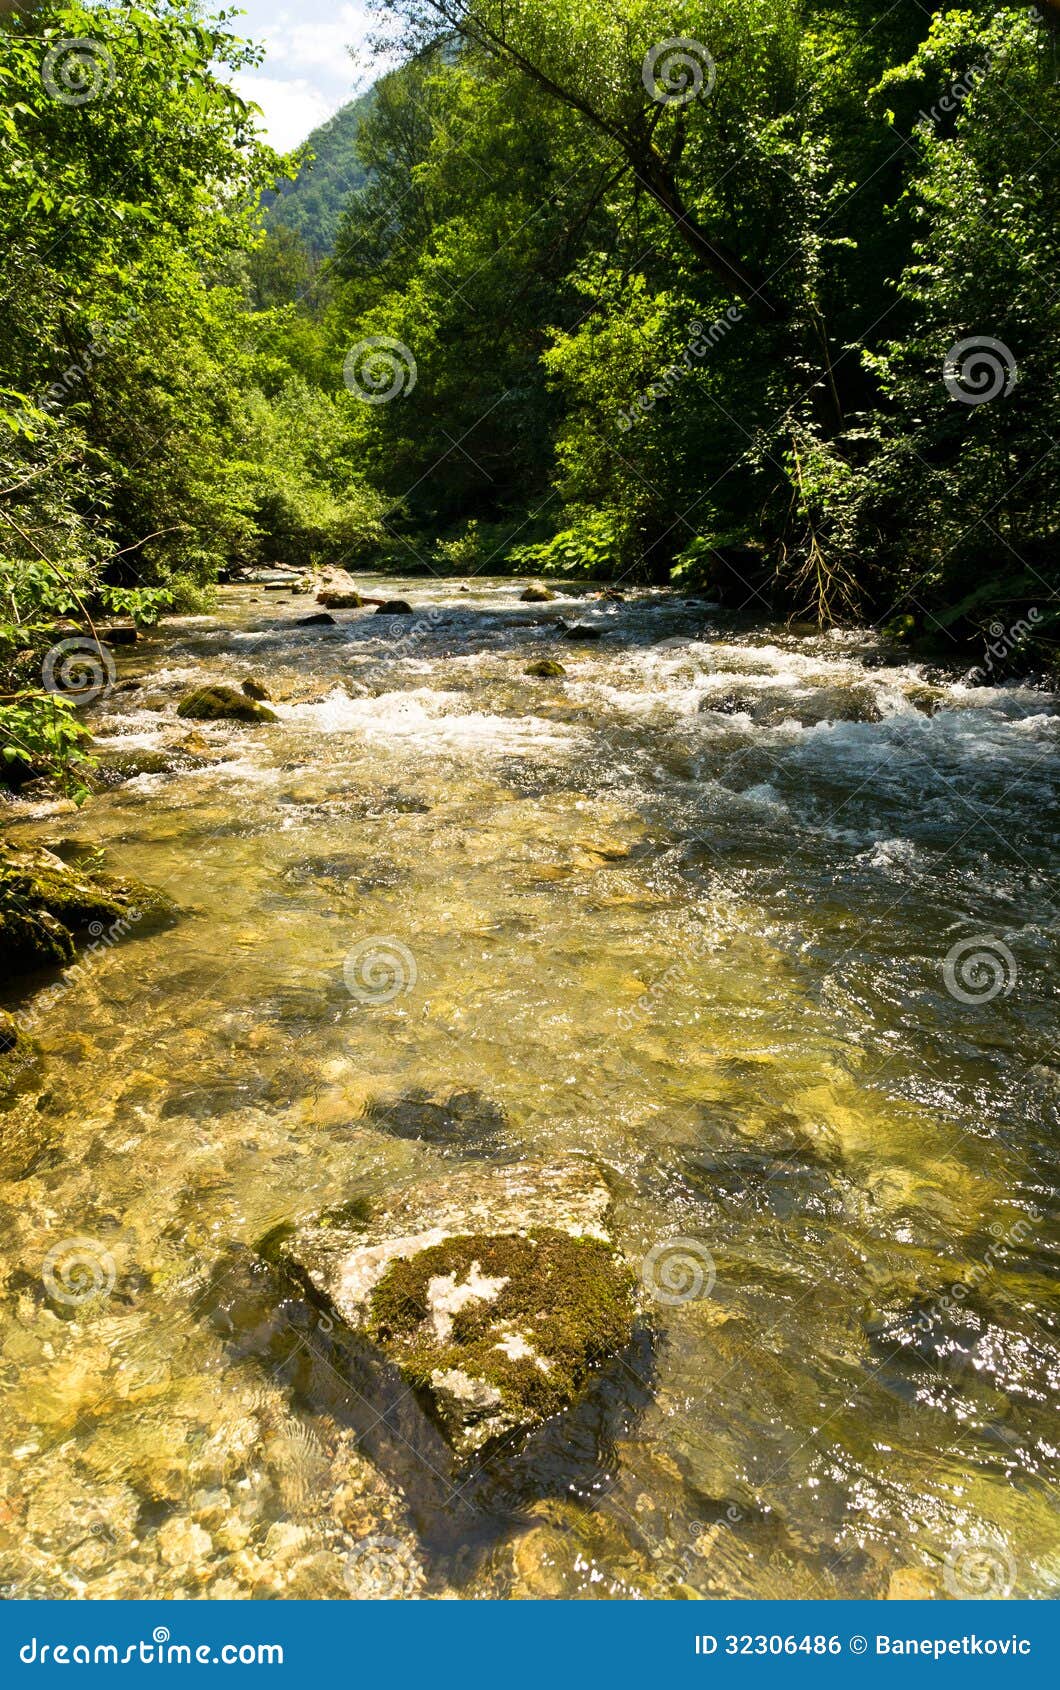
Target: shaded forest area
<point x="755" y="299"/>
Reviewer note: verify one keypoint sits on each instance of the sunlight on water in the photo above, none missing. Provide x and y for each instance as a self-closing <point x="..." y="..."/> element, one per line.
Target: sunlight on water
<point x="706" y="910"/>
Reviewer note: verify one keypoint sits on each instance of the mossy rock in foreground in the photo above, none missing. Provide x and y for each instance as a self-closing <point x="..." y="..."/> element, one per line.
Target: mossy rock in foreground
<point x="495" y="1293"/>
<point x="224" y="704"/>
<point x="509" y="1328"/>
<point x="47" y="907"/>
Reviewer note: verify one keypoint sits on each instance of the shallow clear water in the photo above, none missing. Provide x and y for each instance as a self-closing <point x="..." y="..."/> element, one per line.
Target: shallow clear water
<point x="686" y="911"/>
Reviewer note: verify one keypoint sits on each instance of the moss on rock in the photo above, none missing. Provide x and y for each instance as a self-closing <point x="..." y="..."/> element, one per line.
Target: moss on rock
<point x="224" y="704"/>
<point x="528" y="1317"/>
<point x="546" y="669"/>
<point x="45" y="905"/>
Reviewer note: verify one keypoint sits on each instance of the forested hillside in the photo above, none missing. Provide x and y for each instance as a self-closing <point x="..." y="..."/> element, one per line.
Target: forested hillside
<point x="754" y="298"/>
<point x="311" y="203"/>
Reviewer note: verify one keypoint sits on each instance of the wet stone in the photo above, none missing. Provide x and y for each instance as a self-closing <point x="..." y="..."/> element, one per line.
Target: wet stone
<point x="46" y="906"/>
<point x="496" y="1295"/>
<point x="464" y="1124"/>
<point x="223" y="704"/>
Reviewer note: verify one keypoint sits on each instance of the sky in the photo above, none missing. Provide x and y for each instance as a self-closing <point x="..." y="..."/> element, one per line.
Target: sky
<point x="307" y="74"/>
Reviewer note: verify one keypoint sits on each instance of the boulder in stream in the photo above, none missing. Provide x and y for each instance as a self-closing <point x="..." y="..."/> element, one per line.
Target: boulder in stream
<point x="319" y="619"/>
<point x="546" y="669"/>
<point x="395" y="607"/>
<point x="253" y="688"/>
<point x="537" y="595"/>
<point x="223" y="704"/>
<point x="582" y="631"/>
<point x="46" y="906"/>
<point x="496" y="1293"/>
<point x="340" y="598"/>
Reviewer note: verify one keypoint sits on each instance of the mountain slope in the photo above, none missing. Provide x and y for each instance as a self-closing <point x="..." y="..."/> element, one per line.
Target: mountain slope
<point x="313" y="204"/>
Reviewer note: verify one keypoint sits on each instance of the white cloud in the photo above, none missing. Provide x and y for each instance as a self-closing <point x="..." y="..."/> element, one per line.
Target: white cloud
<point x="320" y="46"/>
<point x="292" y="108"/>
<point x="308" y="71"/>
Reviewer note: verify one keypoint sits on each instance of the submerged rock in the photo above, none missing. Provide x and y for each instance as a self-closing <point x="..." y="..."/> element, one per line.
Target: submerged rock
<point x="115" y="765"/>
<point x="545" y="669"/>
<point x="223" y="704"/>
<point x="27" y="1140"/>
<point x="496" y="1294"/>
<point x="582" y="631"/>
<point x="537" y="595"/>
<point x="46" y="905"/>
<point x="464" y="1124"/>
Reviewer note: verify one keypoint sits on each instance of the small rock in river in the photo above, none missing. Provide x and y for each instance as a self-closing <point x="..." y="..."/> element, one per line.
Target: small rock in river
<point x="546" y="670"/>
<point x="537" y="595"/>
<point x="253" y="688"/>
<point x="582" y="631"/>
<point x="223" y="704"/>
<point x="340" y="598"/>
<point x="320" y="619"/>
<point x="395" y="607"/>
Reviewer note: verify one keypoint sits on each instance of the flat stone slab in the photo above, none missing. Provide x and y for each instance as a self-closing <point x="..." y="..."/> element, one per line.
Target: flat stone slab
<point x="496" y="1292"/>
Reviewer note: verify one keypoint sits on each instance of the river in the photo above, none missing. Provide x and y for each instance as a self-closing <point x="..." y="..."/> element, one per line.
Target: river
<point x="762" y="923"/>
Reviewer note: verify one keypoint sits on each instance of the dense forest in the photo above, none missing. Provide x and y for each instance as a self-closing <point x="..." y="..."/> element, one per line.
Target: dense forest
<point x="758" y="300"/>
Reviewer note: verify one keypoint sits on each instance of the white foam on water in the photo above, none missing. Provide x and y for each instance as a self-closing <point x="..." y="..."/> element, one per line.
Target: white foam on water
<point x="427" y="721"/>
